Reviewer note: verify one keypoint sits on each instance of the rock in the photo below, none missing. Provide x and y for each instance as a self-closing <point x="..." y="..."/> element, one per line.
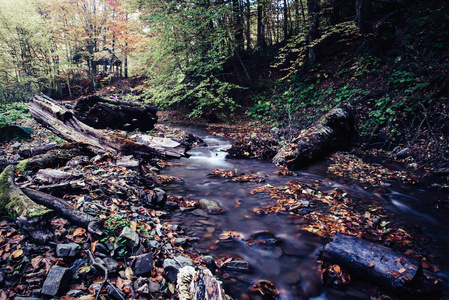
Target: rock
<point x="57" y="281"/>
<point x="110" y="264"/>
<point x="68" y="250"/>
<point x="238" y="265"/>
<point x="153" y="244"/>
<point x="179" y="241"/>
<point x="116" y="293"/>
<point x="16" y="145"/>
<point x="81" y="160"/>
<point x="172" y="266"/>
<point x="128" y="239"/>
<point x="159" y="197"/>
<point x="143" y="264"/>
<point x="129" y="162"/>
<point x="28" y="298"/>
<point x="210" y="263"/>
<point x="199" y="212"/>
<point x="75" y="293"/>
<point x="210" y="206"/>
<point x="404" y="153"/>
<point x="10" y="132"/>
<point x="154" y="286"/>
<point x="77" y="264"/>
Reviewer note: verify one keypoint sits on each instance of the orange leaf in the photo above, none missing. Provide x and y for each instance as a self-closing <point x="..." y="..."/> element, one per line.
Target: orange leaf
<point x="17" y="253"/>
<point x="93" y="246"/>
<point x="337" y="269"/>
<point x="79" y="231"/>
<point x="402" y="270"/>
<point x="395" y="273"/>
<point x="371" y="265"/>
<point x="133" y="225"/>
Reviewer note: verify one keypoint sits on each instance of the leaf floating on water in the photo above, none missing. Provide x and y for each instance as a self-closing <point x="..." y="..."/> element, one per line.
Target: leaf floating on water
<point x="371" y="265"/>
<point x="395" y="273"/>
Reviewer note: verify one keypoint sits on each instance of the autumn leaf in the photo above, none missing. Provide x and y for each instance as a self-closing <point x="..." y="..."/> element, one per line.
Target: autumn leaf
<point x="129" y="274"/>
<point x="371" y="265"/>
<point x="17" y="253"/>
<point x="402" y="270"/>
<point x="93" y="246"/>
<point x="133" y="225"/>
<point x="337" y="268"/>
<point x="395" y="273"/>
<point x="79" y="231"/>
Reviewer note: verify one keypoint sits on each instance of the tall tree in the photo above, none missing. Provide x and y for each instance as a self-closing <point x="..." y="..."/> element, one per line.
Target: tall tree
<point x="314" y="31"/>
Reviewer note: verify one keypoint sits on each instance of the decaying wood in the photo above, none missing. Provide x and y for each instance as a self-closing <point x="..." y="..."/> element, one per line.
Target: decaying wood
<point x="104" y="113"/>
<point x="65" y="210"/>
<point x="198" y="285"/>
<point x="331" y="132"/>
<point x="62" y="122"/>
<point x="56" y="157"/>
<point x="30" y="216"/>
<point x="380" y="265"/>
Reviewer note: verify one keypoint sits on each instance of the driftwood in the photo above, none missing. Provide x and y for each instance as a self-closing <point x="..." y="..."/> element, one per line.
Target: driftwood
<point x="331" y="132"/>
<point x="30" y="216"/>
<point x="381" y="265"/>
<point x="104" y="113"/>
<point x="63" y="123"/>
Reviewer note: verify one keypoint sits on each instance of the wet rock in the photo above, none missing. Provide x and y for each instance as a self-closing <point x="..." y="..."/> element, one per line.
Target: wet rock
<point x="129" y="162"/>
<point x="199" y="212"/>
<point x="127" y="238"/>
<point x="102" y="248"/>
<point x="57" y="281"/>
<point x="210" y="206"/>
<point x="68" y="250"/>
<point x="159" y="197"/>
<point x="238" y="265"/>
<point x="210" y="263"/>
<point x="172" y="266"/>
<point x="143" y="264"/>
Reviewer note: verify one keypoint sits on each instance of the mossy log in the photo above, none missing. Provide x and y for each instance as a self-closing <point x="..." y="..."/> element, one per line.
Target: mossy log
<point x="62" y="122"/>
<point x="30" y="216"/>
<point x="104" y="113"/>
<point x="381" y="265"/>
<point x="332" y="132"/>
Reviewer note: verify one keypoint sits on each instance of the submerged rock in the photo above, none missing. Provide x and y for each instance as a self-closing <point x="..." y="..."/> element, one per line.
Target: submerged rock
<point x="210" y="206"/>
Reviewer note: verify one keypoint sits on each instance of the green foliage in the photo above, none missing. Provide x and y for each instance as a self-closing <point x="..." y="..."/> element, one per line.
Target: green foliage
<point x="114" y="225"/>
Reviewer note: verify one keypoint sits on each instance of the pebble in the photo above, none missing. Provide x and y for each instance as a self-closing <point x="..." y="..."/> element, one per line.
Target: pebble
<point x="57" y="281"/>
<point x="68" y="250"/>
<point x="143" y="264"/>
<point x="172" y="266"/>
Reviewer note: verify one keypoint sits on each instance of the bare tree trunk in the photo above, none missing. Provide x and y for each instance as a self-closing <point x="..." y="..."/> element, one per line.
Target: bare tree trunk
<point x="314" y="33"/>
<point x="260" y="24"/>
<point x="364" y="15"/>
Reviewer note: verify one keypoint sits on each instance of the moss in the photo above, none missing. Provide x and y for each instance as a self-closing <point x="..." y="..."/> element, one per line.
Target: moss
<point x="13" y="201"/>
<point x="22" y="166"/>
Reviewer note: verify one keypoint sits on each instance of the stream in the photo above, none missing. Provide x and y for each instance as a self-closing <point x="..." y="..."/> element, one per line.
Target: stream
<point x="275" y="247"/>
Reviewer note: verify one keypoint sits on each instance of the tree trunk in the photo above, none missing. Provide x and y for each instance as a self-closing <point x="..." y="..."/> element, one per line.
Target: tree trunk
<point x="332" y="132"/>
<point x="314" y="32"/>
<point x="260" y="24"/>
<point x="30" y="216"/>
<point x="102" y="113"/>
<point x="364" y="15"/>
<point x="381" y="265"/>
<point x="62" y="122"/>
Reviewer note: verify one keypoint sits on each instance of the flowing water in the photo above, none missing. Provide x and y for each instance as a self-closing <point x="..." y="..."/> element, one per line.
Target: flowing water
<point x="278" y="250"/>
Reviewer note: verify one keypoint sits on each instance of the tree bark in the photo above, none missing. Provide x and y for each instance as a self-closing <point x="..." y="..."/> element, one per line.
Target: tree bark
<point x="381" y="265"/>
<point x="363" y="16"/>
<point x="314" y="32"/>
<point x="107" y="113"/>
<point x="62" y="122"/>
<point x="331" y="132"/>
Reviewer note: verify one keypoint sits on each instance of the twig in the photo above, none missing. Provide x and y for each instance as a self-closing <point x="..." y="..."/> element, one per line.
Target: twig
<point x="106" y="274"/>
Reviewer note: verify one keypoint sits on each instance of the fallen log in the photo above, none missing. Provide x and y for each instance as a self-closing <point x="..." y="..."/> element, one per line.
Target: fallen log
<point x="56" y="157"/>
<point x="30" y="216"/>
<point x="381" y="265"/>
<point x="65" y="210"/>
<point x="63" y="123"/>
<point x="331" y="132"/>
<point x="102" y="113"/>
